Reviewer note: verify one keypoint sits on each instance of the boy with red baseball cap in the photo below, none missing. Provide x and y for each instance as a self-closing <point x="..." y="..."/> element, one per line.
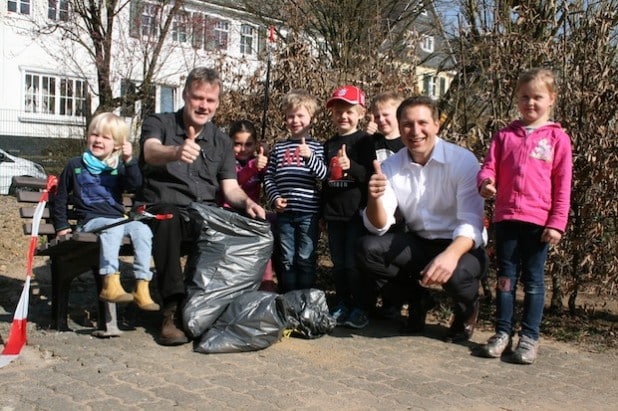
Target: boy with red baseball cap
<point x="350" y="156"/>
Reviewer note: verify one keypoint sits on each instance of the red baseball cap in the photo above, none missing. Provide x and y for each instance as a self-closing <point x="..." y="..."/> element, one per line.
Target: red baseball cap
<point x="349" y="94"/>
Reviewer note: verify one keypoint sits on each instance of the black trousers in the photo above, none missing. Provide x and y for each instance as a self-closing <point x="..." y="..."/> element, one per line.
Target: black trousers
<point x="394" y="262"/>
<point x="171" y="240"/>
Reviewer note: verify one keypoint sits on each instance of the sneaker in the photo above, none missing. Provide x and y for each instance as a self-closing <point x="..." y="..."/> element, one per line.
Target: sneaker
<point x="340" y="313"/>
<point x="357" y="319"/>
<point x="526" y="351"/>
<point x="496" y="345"/>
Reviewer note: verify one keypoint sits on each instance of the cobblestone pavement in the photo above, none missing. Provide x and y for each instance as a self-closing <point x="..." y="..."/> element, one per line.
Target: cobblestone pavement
<point x="371" y="369"/>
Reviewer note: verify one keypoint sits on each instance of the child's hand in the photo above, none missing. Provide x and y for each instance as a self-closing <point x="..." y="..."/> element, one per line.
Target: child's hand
<point x="304" y="150"/>
<point x="488" y="188"/>
<point x="63" y="232"/>
<point x="551" y="236"/>
<point x="261" y="160"/>
<point x="342" y="157"/>
<point x="189" y="150"/>
<point x="372" y="126"/>
<point x="127" y="152"/>
<point x="280" y="204"/>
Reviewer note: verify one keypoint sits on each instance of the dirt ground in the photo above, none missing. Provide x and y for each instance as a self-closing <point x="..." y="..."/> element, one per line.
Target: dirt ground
<point x="593" y="328"/>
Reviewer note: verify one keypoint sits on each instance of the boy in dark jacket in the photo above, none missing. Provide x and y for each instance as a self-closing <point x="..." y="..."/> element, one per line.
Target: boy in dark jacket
<point x="350" y="154"/>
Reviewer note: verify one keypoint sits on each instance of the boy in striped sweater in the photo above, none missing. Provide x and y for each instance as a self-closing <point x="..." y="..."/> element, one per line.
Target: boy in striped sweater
<point x="292" y="183"/>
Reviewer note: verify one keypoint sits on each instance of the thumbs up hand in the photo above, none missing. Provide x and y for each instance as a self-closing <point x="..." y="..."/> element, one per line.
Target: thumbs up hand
<point x="342" y="157"/>
<point x="261" y="160"/>
<point x="127" y="151"/>
<point x="377" y="182"/>
<point x="304" y="150"/>
<point x="189" y="150"/>
<point x="372" y="126"/>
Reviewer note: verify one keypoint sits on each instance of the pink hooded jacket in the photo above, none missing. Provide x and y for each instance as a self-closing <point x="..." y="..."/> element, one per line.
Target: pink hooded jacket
<point x="532" y="173"/>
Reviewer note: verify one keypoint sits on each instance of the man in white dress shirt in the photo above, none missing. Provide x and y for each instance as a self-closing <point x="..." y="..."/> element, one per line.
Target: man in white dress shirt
<point x="433" y="185"/>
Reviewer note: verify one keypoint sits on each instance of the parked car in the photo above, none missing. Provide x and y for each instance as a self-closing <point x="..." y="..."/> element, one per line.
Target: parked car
<point x="12" y="166"/>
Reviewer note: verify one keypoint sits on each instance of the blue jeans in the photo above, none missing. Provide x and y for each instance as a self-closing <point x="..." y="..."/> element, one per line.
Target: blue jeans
<point x="111" y="240"/>
<point x="349" y="285"/>
<point x="298" y="239"/>
<point x="520" y="252"/>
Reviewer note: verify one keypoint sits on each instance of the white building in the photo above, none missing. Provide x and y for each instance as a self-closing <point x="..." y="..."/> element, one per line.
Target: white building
<point x="48" y="81"/>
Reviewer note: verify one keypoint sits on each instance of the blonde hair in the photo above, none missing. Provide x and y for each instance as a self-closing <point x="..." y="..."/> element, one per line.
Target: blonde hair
<point x="393" y="97"/>
<point x="299" y="98"/>
<point x="541" y="75"/>
<point x="109" y="123"/>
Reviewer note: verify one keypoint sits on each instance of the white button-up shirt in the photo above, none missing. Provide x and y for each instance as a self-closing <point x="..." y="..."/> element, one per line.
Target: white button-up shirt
<point x="439" y="200"/>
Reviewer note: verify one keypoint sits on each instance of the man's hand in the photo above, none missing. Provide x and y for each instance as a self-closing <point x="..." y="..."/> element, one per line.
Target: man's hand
<point x="304" y="150"/>
<point x="377" y="182"/>
<point x="254" y="210"/>
<point x="488" y="188"/>
<point x="440" y="269"/>
<point x="189" y="150"/>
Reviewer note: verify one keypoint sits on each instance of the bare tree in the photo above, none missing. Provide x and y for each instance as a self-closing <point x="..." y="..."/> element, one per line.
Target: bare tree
<point x="99" y="28"/>
<point x="578" y="40"/>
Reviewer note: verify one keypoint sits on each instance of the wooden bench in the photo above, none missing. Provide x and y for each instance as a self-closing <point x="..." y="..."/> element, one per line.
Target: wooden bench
<point x="70" y="255"/>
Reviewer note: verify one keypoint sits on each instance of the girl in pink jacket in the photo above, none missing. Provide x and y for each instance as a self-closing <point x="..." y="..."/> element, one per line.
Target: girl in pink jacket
<point x="528" y="169"/>
<point x="251" y="163"/>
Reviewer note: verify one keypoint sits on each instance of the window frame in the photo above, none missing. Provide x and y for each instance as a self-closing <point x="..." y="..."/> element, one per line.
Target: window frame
<point x="427" y="43"/>
<point x="23" y="7"/>
<point x="52" y="95"/>
<point x="253" y="40"/>
<point x="61" y="10"/>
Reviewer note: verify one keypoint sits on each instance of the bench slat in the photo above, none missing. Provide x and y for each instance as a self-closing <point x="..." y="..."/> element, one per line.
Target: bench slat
<point x="28" y="212"/>
<point x="29" y="182"/>
<point x="28" y="196"/>
<point x="44" y="229"/>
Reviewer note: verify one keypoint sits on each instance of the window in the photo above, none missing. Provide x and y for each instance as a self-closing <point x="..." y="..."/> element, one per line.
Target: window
<point x="429" y="85"/>
<point x="179" y="29"/>
<point x="248" y="40"/>
<point x="427" y="43"/>
<point x="58" y="10"/>
<point x="221" y="34"/>
<point x="442" y="86"/>
<point x="148" y="20"/>
<point x="46" y="94"/>
<point x="19" y="6"/>
<point x="166" y="100"/>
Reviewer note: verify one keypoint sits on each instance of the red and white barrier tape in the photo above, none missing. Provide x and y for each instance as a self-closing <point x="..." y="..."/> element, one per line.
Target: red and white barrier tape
<point x="17" y="334"/>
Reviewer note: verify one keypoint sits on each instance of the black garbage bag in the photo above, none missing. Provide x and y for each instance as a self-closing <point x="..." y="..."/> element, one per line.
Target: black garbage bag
<point x="253" y="321"/>
<point x="230" y="257"/>
<point x="307" y="313"/>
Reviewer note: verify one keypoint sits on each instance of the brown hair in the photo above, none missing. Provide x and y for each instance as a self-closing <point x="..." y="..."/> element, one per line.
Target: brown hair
<point x="203" y="75"/>
<point x="419" y="101"/>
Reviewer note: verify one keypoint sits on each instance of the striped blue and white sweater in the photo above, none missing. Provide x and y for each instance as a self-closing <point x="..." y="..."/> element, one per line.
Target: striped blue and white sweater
<point x="292" y="177"/>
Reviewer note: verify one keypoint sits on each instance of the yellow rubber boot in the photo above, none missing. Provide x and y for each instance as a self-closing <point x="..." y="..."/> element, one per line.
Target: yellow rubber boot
<point x="142" y="298"/>
<point x="112" y="291"/>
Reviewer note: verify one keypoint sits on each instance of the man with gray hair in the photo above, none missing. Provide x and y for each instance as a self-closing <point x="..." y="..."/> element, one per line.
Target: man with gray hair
<point x="185" y="158"/>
